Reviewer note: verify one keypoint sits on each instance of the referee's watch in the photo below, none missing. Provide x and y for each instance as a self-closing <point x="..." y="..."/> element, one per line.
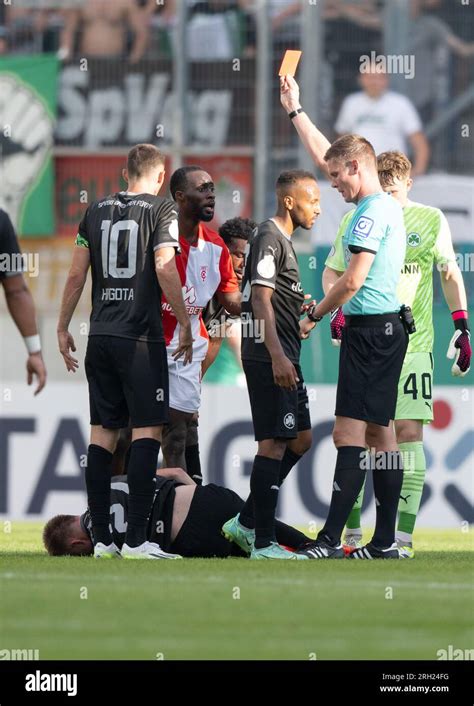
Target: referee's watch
<point x="312" y="317"/>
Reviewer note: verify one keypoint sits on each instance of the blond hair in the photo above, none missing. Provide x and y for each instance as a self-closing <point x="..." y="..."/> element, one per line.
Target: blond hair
<point x="349" y="147"/>
<point x="393" y="165"/>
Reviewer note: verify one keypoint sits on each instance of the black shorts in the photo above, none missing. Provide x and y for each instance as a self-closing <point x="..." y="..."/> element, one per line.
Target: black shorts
<point x="128" y="382"/>
<point x="276" y="413"/>
<point x="200" y="534"/>
<point x="372" y="352"/>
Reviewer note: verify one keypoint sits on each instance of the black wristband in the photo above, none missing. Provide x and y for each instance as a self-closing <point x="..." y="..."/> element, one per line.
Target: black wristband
<point x="311" y="317"/>
<point x="294" y="113"/>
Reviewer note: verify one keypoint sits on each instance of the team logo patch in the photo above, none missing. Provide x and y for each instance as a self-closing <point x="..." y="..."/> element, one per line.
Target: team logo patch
<point x="204" y="269"/>
<point x="266" y="267"/>
<point x="363" y="226"/>
<point x="413" y="240"/>
<point x="289" y="420"/>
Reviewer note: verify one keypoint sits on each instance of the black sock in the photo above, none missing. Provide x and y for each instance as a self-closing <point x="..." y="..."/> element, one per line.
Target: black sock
<point x="99" y="463"/>
<point x="388" y="479"/>
<point x="289" y="460"/>
<point x="193" y="463"/>
<point x="141" y="486"/>
<point x="264" y="488"/>
<point x="289" y="536"/>
<point x="348" y="479"/>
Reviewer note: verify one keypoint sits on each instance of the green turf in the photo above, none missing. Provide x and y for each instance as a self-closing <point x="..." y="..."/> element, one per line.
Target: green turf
<point x="189" y="609"/>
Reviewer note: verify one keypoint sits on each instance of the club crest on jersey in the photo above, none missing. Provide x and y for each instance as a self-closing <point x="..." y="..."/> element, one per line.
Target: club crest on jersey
<point x="413" y="240"/>
<point x="266" y="267"/>
<point x="363" y="226"/>
<point x="289" y="420"/>
<point x="204" y="270"/>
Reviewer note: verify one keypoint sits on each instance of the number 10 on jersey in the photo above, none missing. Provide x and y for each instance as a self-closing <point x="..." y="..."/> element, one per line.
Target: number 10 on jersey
<point x="109" y="248"/>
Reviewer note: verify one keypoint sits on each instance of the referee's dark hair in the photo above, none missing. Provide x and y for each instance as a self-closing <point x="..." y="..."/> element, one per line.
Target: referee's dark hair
<point x="143" y="158"/>
<point x="237" y="228"/>
<point x="179" y="178"/>
<point x="291" y="177"/>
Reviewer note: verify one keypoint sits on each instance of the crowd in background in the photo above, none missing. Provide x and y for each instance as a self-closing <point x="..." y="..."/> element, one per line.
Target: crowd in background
<point x="136" y="30"/>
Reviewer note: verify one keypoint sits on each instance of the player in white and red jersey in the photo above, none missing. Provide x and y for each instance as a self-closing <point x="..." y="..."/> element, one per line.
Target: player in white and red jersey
<point x="205" y="269"/>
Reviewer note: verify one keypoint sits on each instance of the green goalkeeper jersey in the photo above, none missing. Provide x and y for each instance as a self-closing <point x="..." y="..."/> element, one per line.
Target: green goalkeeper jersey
<point x="428" y="243"/>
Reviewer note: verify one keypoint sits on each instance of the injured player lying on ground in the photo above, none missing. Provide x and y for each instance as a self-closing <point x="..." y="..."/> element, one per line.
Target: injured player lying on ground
<point x="186" y="519"/>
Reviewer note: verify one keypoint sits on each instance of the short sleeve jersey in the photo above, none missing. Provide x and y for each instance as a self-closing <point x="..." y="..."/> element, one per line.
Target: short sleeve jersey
<point x="272" y="262"/>
<point x="376" y="226"/>
<point x="429" y="243"/>
<point x="122" y="233"/>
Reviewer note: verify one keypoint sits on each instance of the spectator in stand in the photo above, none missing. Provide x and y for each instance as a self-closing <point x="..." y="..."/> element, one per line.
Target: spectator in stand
<point x="103" y="28"/>
<point x="426" y="35"/>
<point x="219" y="29"/>
<point x="388" y="120"/>
<point x="161" y="21"/>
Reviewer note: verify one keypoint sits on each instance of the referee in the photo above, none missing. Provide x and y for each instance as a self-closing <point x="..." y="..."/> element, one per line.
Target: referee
<point x="129" y="240"/>
<point x="272" y="302"/>
<point x="374" y="341"/>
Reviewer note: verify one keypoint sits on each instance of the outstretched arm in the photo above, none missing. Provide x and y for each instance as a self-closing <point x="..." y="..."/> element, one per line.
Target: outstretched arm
<point x="316" y="144"/>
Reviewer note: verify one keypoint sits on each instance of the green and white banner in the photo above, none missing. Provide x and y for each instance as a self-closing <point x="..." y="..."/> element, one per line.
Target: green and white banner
<point x="28" y="87"/>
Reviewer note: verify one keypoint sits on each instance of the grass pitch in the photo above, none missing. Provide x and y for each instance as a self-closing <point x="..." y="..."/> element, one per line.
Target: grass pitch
<point x="79" y="608"/>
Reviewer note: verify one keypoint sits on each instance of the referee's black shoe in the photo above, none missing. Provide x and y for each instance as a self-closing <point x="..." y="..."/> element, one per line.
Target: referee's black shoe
<point x="370" y="552"/>
<point x="321" y="549"/>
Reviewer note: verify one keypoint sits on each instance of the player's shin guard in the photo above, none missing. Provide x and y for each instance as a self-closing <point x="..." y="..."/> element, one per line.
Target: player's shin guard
<point x="99" y="463"/>
<point x="414" y="470"/>
<point x="388" y="477"/>
<point x="141" y="485"/>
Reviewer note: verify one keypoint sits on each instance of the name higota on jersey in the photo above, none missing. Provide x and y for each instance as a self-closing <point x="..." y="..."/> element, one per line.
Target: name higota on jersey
<point x="428" y="243"/>
<point x="204" y="269"/>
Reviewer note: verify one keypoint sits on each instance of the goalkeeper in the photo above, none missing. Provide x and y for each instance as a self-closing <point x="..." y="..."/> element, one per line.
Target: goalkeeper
<point x="428" y="243"/>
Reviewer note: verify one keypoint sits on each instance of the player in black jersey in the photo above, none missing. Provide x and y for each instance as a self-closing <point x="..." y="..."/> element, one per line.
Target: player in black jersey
<point x="272" y="303"/>
<point x="185" y="518"/>
<point x="129" y="241"/>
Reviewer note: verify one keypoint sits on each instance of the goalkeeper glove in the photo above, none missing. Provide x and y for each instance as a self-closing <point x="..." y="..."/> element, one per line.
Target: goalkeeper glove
<point x="460" y="345"/>
<point x="338" y="322"/>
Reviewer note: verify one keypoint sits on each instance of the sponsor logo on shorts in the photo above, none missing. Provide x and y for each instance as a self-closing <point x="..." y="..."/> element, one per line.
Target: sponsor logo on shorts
<point x="289" y="420"/>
